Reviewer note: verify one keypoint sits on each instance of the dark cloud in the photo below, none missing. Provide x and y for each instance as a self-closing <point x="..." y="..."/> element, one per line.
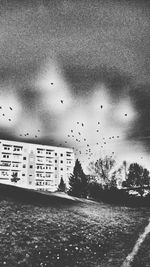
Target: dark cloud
<point x="140" y="97"/>
<point x="84" y="78"/>
<point x="93" y="42"/>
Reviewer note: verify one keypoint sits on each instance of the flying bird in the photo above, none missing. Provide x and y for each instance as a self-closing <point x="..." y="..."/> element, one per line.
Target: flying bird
<point x="51" y="83"/>
<point x="101" y="106"/>
<point x="125" y="114"/>
<point x="10" y="108"/>
<point x="82" y="124"/>
<point x="62" y="101"/>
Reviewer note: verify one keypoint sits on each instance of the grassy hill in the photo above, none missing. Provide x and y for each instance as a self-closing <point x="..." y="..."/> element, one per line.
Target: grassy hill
<point x="63" y="233"/>
<point x="33" y="196"/>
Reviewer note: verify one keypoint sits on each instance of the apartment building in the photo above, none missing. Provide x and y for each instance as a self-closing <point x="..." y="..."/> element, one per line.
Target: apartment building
<point x="35" y="166"/>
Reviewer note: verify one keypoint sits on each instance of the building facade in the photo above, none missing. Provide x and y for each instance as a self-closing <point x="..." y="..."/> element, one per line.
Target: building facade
<point x="39" y="167"/>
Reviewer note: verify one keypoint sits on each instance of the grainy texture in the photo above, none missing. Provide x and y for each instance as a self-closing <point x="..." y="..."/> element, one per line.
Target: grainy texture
<point x="81" y="234"/>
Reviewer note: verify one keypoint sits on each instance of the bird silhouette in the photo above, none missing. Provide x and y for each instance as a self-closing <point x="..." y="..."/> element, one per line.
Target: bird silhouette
<point x="82" y="124"/>
<point x="9" y="119"/>
<point x="51" y="83"/>
<point x="3" y="114"/>
<point x="62" y="101"/>
<point x="101" y="106"/>
<point x="125" y="114"/>
<point x="10" y="108"/>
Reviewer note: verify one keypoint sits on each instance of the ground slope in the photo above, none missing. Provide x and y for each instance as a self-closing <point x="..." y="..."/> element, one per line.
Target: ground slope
<point x="74" y="234"/>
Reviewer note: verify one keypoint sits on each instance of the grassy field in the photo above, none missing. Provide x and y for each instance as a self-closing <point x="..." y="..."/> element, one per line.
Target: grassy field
<point x="75" y="234"/>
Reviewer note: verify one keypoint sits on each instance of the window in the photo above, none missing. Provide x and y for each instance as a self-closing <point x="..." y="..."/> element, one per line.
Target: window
<point x="61" y="155"/>
<point x="55" y="161"/>
<point x="61" y="161"/>
<point x="24" y="158"/>
<point x="55" y="168"/>
<point x="55" y="154"/>
<point x="23" y="174"/>
<point x="31" y="166"/>
<point x="24" y="165"/>
<point x="61" y="169"/>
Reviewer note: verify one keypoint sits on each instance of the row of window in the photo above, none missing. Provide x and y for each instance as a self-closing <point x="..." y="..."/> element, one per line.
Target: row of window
<point x="48" y="153"/>
<point x="7" y="156"/>
<point x="41" y="167"/>
<point x="48" y="175"/>
<point x="44" y="183"/>
<point x="15" y="148"/>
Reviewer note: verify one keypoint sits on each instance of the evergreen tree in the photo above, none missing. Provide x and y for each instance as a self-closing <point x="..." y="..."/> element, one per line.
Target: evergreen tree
<point x="62" y="186"/>
<point x="78" y="182"/>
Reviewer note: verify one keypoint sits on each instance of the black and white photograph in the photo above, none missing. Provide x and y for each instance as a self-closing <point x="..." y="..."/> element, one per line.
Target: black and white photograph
<point x="75" y="133"/>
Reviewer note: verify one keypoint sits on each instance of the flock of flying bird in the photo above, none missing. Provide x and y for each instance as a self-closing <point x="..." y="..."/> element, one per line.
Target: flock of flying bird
<point x="73" y="136"/>
<point x="77" y="136"/>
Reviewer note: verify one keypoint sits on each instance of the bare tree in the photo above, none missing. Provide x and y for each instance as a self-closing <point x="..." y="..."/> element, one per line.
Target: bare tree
<point x="103" y="169"/>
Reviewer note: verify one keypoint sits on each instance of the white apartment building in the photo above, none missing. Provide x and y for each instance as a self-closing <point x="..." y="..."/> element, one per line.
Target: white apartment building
<point x="37" y="166"/>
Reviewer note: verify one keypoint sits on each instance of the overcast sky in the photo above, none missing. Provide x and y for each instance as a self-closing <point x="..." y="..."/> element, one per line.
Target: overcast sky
<point x="77" y="65"/>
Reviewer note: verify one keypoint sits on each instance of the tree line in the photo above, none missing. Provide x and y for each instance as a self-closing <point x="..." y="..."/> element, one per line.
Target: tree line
<point x="108" y="182"/>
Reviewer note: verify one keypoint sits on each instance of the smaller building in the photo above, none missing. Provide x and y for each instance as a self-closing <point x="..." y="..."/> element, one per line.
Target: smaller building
<point x="35" y="166"/>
